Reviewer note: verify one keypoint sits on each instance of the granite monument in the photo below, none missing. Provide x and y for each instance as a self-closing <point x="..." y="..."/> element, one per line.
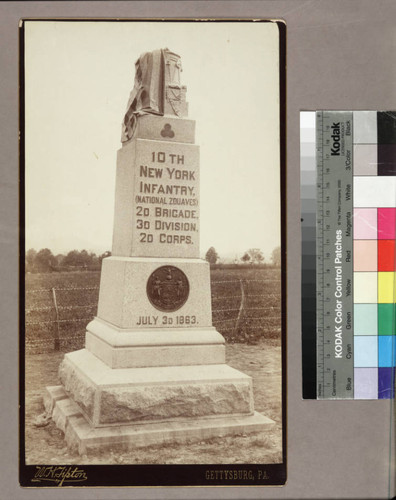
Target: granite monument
<point x="153" y="368"/>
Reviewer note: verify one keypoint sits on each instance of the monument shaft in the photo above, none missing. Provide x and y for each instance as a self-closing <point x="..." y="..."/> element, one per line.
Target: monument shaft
<point x="157" y="199"/>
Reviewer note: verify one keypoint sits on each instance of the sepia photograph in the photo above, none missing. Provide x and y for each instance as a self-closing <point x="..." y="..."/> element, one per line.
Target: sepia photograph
<point x="152" y="253"/>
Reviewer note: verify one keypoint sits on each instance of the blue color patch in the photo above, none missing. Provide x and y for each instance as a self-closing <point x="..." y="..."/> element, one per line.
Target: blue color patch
<point x="386" y="383"/>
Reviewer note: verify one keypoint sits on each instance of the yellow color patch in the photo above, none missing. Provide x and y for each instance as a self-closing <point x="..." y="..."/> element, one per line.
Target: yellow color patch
<point x="386" y="287"/>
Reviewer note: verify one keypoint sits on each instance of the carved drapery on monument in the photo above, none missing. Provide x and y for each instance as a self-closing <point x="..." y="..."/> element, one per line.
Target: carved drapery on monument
<point x="157" y="89"/>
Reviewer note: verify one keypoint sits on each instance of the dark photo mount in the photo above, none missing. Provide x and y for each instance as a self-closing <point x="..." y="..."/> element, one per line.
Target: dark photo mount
<point x="173" y="381"/>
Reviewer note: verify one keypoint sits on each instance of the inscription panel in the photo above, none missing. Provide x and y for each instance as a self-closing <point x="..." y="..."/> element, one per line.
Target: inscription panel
<point x="165" y="200"/>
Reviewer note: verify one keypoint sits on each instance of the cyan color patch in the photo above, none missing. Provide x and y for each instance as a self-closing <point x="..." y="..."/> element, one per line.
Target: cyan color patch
<point x="366" y="351"/>
<point x="386" y="351"/>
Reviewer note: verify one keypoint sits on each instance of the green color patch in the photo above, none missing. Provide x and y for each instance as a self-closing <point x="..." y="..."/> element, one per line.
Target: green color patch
<point x="386" y="319"/>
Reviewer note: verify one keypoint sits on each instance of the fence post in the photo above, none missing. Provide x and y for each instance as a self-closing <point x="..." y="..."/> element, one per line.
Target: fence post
<point x="56" y="340"/>
<point x="241" y="307"/>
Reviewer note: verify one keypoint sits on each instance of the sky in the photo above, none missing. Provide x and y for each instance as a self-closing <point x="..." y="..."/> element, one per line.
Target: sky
<point x="78" y="77"/>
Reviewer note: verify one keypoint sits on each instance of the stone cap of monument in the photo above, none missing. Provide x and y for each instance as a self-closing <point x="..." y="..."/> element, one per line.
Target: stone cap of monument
<point x="157" y="90"/>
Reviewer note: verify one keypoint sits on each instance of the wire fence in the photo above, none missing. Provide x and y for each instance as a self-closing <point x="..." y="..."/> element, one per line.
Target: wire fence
<point x="243" y="310"/>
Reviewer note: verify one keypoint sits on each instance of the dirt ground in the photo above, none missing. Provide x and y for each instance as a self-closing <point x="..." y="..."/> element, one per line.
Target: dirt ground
<point x="45" y="445"/>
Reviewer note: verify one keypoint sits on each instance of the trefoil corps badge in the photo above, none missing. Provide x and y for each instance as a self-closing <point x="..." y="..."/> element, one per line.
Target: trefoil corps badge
<point x="168" y="288"/>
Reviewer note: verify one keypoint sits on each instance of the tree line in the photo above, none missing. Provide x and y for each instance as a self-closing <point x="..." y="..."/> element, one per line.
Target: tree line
<point x="251" y="256"/>
<point x="44" y="261"/>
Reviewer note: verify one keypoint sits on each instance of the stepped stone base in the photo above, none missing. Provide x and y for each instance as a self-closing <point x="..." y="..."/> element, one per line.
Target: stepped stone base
<point x="134" y="348"/>
<point x="99" y="407"/>
<point x="82" y="437"/>
<point x="120" y="396"/>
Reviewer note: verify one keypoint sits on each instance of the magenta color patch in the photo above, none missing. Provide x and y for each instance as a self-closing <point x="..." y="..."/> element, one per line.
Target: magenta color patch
<point x="386" y="223"/>
<point x="365" y="223"/>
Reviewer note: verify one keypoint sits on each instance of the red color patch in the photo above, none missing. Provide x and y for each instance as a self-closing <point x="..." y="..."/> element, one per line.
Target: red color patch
<point x="386" y="255"/>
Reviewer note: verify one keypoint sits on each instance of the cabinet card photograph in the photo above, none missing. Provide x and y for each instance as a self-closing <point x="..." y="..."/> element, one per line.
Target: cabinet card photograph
<point x="153" y="265"/>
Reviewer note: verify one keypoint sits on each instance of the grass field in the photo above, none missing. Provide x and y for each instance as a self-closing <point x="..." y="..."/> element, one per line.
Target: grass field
<point x="76" y="295"/>
<point x="261" y="313"/>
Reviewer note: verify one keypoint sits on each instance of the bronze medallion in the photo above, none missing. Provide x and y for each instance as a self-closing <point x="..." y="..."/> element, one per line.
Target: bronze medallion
<point x="168" y="288"/>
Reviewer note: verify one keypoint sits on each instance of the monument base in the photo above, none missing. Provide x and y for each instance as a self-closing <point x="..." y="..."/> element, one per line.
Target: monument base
<point x="119" y="396"/>
<point x="83" y="438"/>
<point x="100" y="407"/>
<point x="134" y="348"/>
